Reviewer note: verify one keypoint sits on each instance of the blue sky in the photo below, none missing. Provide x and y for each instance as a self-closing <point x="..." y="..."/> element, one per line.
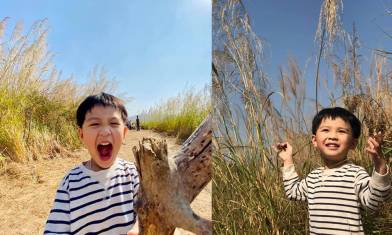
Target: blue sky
<point x="288" y="29"/>
<point x="153" y="49"/>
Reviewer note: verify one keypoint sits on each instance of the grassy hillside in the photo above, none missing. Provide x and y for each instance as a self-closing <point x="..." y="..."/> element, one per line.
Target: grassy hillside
<point x="179" y="116"/>
<point x="37" y="105"/>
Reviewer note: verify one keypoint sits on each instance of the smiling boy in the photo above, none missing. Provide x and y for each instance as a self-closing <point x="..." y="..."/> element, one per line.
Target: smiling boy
<point x="337" y="192"/>
<point x="97" y="196"/>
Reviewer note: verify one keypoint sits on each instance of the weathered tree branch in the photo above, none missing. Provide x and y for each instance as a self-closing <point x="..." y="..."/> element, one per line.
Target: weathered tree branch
<point x="169" y="185"/>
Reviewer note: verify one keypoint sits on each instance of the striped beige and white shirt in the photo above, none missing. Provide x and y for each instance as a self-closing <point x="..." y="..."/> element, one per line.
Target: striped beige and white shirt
<point x="336" y="196"/>
<point x="89" y="202"/>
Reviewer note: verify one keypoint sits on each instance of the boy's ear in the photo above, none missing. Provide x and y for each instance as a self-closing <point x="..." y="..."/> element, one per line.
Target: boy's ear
<point x="80" y="133"/>
<point x="314" y="142"/>
<point x="125" y="131"/>
<point x="354" y="143"/>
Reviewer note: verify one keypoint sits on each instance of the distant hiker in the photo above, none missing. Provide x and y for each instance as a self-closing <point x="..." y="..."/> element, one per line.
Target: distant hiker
<point x="137" y="123"/>
<point x="97" y="196"/>
<point x="337" y="192"/>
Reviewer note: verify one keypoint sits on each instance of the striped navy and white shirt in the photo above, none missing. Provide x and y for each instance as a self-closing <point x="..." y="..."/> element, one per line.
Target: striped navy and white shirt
<point x="89" y="202"/>
<point x="336" y="196"/>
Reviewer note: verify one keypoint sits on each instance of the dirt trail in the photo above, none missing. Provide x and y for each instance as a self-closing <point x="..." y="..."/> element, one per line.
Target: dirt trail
<point x="26" y="195"/>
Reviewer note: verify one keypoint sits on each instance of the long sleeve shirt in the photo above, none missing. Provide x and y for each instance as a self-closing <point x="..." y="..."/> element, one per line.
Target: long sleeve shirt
<point x="89" y="202"/>
<point x="336" y="196"/>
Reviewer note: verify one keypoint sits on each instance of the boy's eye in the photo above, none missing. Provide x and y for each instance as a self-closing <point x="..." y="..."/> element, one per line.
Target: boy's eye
<point x="115" y="123"/>
<point x="324" y="130"/>
<point x="94" y="124"/>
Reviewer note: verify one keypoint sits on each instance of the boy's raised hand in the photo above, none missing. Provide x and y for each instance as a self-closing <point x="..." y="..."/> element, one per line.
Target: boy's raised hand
<point x="285" y="152"/>
<point x="373" y="148"/>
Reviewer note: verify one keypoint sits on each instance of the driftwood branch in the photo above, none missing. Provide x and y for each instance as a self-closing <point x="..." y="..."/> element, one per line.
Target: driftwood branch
<point x="169" y="185"/>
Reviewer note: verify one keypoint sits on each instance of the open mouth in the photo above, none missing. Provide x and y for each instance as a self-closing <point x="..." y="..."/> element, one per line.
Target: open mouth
<point x="105" y="150"/>
<point x="332" y="145"/>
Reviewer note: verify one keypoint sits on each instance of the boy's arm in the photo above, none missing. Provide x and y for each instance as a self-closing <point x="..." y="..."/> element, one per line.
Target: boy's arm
<point x="294" y="188"/>
<point x="135" y="183"/>
<point x="59" y="217"/>
<point x="374" y="149"/>
<point x="372" y="191"/>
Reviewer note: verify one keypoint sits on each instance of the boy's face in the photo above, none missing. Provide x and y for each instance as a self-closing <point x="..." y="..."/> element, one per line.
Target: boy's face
<point x="102" y="134"/>
<point x="334" y="138"/>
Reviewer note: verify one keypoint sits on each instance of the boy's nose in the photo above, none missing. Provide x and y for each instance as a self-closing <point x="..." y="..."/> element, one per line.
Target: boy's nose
<point x="332" y="136"/>
<point x="105" y="131"/>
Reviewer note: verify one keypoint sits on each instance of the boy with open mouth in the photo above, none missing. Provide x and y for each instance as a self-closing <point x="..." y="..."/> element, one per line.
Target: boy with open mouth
<point x="97" y="196"/>
<point x="337" y="192"/>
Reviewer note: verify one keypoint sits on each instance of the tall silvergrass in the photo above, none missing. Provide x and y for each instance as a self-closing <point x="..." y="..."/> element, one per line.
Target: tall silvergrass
<point x="179" y="116"/>
<point x="37" y="106"/>
<point x="251" y="115"/>
<point x="328" y="29"/>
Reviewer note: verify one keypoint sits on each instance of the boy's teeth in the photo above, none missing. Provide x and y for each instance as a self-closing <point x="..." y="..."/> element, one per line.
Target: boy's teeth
<point x="332" y="145"/>
<point x="106" y="143"/>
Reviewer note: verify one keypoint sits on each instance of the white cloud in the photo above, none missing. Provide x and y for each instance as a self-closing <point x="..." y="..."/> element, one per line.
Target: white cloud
<point x="202" y="4"/>
<point x="193" y="9"/>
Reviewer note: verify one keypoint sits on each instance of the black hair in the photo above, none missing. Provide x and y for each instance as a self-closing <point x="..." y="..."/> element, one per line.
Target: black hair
<point x="102" y="99"/>
<point x="337" y="112"/>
